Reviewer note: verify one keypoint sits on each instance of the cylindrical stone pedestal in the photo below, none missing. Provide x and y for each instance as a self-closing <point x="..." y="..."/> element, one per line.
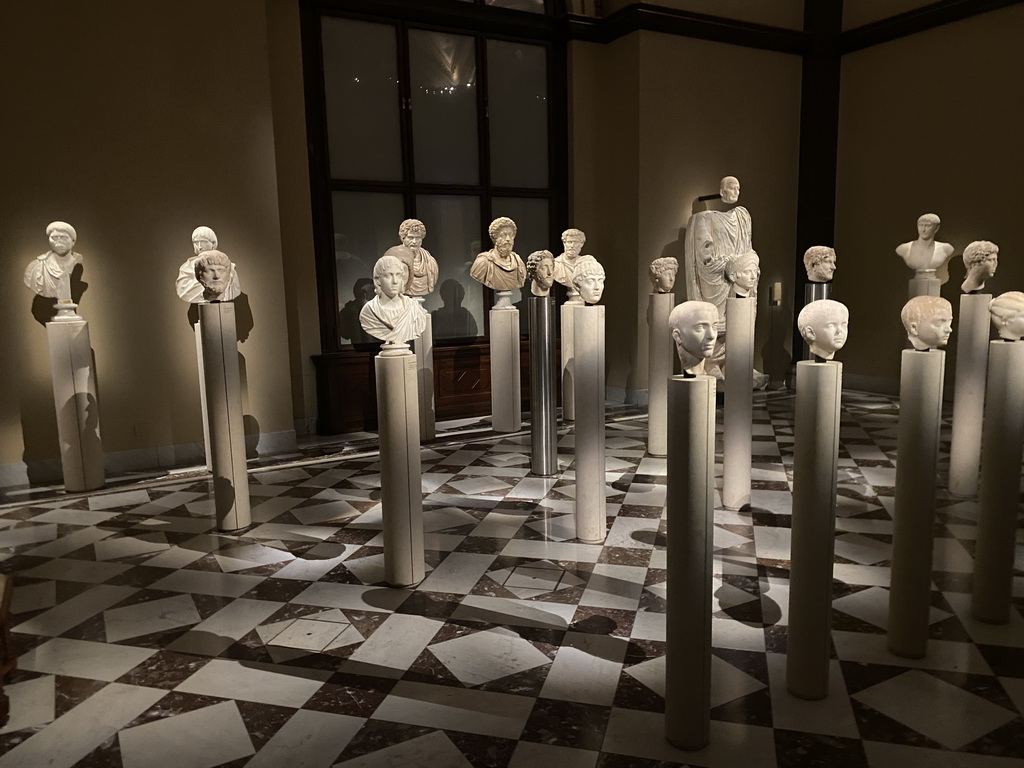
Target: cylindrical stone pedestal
<point x="1001" y="446"/>
<point x="660" y="354"/>
<point x="543" y="436"/>
<point x="814" y="292"/>
<point x="739" y="406"/>
<point x="224" y="400"/>
<point x="923" y="286"/>
<point x="506" y="413"/>
<point x="208" y="451"/>
<point x="689" y="505"/>
<point x="972" y="331"/>
<point x="78" y="410"/>
<point x="816" y="449"/>
<point x="914" y="512"/>
<point x="588" y="361"/>
<point x="568" y="372"/>
<point x="401" y="496"/>
<point x="423" y="348"/>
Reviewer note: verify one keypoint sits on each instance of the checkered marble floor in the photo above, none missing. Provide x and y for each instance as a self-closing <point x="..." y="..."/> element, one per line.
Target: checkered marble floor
<point x="148" y="639"/>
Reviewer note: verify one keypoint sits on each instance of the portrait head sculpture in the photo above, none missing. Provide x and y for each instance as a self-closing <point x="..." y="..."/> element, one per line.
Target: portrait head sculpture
<point x="411" y="232"/>
<point x="928" y="321"/>
<point x="500" y="268"/>
<point x="203" y="239"/>
<point x="742" y="271"/>
<point x="820" y="263"/>
<point x="572" y="243"/>
<point x="540" y="268"/>
<point x="928" y="226"/>
<point x="49" y="274"/>
<point x="573" y="240"/>
<point x="729" y="189"/>
<point x="824" y="325"/>
<point x="588" y="278"/>
<point x="391" y="316"/>
<point x="926" y="256"/>
<point x="1007" y="312"/>
<point x="981" y="259"/>
<point x="694" y="326"/>
<point x="422" y="267"/>
<point x="213" y="271"/>
<point x="662" y="273"/>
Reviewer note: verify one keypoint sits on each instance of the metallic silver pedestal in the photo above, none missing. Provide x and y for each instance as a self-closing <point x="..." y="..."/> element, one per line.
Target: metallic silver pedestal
<point x="543" y="453"/>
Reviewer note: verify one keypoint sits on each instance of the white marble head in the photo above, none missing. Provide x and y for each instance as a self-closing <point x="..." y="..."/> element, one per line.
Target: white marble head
<point x="824" y="325"/>
<point x="928" y="226"/>
<point x="820" y="263"/>
<point x="390" y="274"/>
<point x="694" y="326"/>
<point x="742" y="271"/>
<point x="411" y="232"/>
<point x="981" y="259"/>
<point x="928" y="321"/>
<point x="503" y="234"/>
<point x="203" y="239"/>
<point x="729" y="189"/>
<point x="540" y="268"/>
<point x="662" y="273"/>
<point x="62" y="237"/>
<point x="572" y="242"/>
<point x="588" y="278"/>
<point x="213" y="271"/>
<point x="1007" y="311"/>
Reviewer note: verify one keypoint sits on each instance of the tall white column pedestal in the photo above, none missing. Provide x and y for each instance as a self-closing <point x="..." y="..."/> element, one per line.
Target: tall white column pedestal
<point x="660" y="353"/>
<point x="506" y="415"/>
<point x="423" y="348"/>
<point x="78" y="410"/>
<point x="917" y="441"/>
<point x="739" y="406"/>
<point x="816" y="448"/>
<point x="1001" y="446"/>
<point x="208" y="451"/>
<point x="568" y="373"/>
<point x="972" y="331"/>
<point x="400" y="486"/>
<point x="543" y="418"/>
<point x="689" y="505"/>
<point x="923" y="286"/>
<point x="588" y="360"/>
<point x="224" y="399"/>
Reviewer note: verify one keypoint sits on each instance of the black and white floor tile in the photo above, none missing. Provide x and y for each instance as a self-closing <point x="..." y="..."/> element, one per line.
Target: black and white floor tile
<point x="147" y="639"/>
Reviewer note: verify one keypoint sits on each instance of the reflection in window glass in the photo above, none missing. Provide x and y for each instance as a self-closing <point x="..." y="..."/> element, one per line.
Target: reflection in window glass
<point x="453" y="238"/>
<point x="531" y="218"/>
<point x="518" y="114"/>
<point x="361" y="88"/>
<point x="444" y="115"/>
<point x="365" y="225"/>
<point x="533" y="6"/>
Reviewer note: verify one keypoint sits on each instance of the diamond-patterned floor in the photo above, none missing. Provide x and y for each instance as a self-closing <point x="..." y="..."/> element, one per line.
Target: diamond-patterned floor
<point x="148" y="639"/>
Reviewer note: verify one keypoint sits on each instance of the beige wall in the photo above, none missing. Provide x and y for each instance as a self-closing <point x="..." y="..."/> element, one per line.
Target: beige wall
<point x="928" y="123"/>
<point x="640" y="162"/>
<point x="778" y="13"/>
<point x="136" y="123"/>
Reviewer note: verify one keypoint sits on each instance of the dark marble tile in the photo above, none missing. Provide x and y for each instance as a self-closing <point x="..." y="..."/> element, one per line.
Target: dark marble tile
<point x="629" y="556"/>
<point x="483" y="751"/>
<point x="874" y="726"/>
<point x="1005" y="661"/>
<point x="603" y="621"/>
<point x="277" y="590"/>
<point x="262" y="721"/>
<point x="566" y="724"/>
<point x="378" y="734"/>
<point x="753" y="709"/>
<point x="69" y="692"/>
<point x="794" y="749"/>
<point x="164" y="669"/>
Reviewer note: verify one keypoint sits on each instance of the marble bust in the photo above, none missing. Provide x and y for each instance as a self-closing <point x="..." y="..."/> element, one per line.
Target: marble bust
<point x="213" y="271"/>
<point x="391" y="316"/>
<point x="926" y="255"/>
<point x="187" y="285"/>
<point x="662" y="274"/>
<point x="1007" y="311"/>
<point x="729" y="189"/>
<point x="540" y="268"/>
<point x="820" y="263"/>
<point x="500" y="268"/>
<point x="422" y="266"/>
<point x="565" y="263"/>
<point x="49" y="274"/>
<point x="981" y="259"/>
<point x="694" y="326"/>
<point x="588" y="279"/>
<point x="742" y="272"/>
<point x="928" y="321"/>
<point x="824" y="324"/>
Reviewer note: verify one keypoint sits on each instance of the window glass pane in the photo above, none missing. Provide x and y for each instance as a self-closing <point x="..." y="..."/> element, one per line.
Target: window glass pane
<point x="531" y="218"/>
<point x="533" y="6"/>
<point x="517" y="99"/>
<point x="453" y="238"/>
<point x="361" y="89"/>
<point x="365" y="225"/>
<point x="444" y="115"/>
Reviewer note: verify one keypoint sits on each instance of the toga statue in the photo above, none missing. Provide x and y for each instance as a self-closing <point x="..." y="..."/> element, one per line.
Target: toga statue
<point x="50" y="273"/>
<point x="391" y="316"/>
<point x="500" y="268"/>
<point x="422" y="266"/>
